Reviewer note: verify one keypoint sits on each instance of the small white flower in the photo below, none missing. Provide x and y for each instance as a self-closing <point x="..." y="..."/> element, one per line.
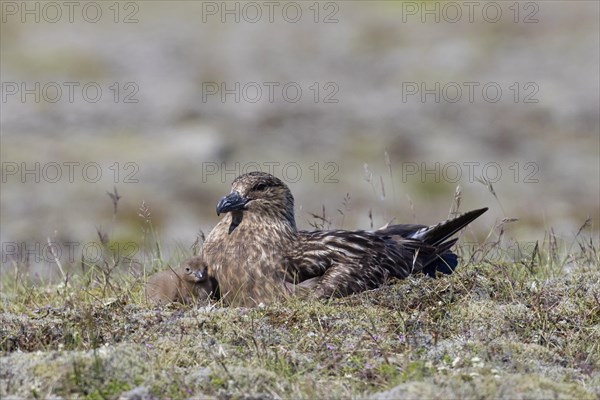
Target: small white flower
<point x="476" y="362"/>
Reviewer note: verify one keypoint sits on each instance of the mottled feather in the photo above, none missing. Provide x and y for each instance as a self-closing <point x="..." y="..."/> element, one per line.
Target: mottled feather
<point x="257" y="255"/>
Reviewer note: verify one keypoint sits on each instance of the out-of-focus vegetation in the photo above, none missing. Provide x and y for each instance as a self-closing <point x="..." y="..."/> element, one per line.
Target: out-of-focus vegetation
<point x="178" y="147"/>
<point x="520" y="316"/>
<point x="510" y="322"/>
<point x="494" y="329"/>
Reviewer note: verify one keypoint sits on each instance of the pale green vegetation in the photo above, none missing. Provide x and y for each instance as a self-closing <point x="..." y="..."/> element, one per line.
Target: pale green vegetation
<point x="527" y="328"/>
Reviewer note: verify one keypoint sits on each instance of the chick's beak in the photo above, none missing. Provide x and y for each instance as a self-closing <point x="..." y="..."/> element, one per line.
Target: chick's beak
<point x="199" y="275"/>
<point x="232" y="202"/>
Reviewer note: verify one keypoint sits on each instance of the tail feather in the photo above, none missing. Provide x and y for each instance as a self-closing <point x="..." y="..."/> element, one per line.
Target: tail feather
<point x="438" y="234"/>
<point x="443" y="260"/>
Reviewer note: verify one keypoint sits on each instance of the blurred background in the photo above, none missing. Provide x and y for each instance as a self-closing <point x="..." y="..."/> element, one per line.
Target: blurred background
<point x="368" y="110"/>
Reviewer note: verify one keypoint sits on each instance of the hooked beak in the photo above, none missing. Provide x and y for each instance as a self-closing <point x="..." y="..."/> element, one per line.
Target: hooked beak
<point x="232" y="202"/>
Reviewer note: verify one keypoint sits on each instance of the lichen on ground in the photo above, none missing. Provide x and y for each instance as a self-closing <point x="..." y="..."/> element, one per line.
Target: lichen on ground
<point x="491" y="330"/>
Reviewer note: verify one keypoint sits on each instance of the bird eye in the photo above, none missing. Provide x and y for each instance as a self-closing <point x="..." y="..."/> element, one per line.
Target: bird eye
<point x="260" y="187"/>
<point x="188" y="269"/>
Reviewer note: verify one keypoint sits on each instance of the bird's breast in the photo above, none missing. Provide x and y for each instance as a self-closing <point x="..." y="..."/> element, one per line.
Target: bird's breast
<point x="249" y="261"/>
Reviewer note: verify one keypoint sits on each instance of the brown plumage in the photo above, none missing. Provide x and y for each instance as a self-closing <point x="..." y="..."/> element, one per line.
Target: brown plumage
<point x="257" y="254"/>
<point x="186" y="284"/>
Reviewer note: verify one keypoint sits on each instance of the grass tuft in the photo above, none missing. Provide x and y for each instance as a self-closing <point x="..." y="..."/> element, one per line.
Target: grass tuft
<point x="512" y="321"/>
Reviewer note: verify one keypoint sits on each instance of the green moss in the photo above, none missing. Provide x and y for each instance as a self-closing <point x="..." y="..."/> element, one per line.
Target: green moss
<point x="489" y="330"/>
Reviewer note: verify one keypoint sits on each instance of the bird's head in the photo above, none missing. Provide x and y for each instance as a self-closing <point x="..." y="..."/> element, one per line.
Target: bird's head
<point x="261" y="194"/>
<point x="194" y="270"/>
